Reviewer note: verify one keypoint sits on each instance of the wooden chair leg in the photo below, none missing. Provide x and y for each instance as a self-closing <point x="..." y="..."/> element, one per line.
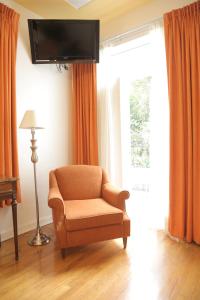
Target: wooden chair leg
<point x="63" y="251"/>
<point x="125" y="242"/>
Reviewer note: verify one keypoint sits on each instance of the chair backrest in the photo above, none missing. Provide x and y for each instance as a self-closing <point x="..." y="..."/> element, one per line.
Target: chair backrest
<point x="78" y="182"/>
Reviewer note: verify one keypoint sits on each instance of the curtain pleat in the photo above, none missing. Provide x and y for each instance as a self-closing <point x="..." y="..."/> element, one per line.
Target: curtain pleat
<point x="182" y="39"/>
<point x="85" y="146"/>
<point x="9" y="20"/>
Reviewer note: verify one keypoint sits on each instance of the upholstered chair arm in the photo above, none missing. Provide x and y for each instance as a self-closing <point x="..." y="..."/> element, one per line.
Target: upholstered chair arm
<point x="114" y="196"/>
<point x="55" y="199"/>
<point x="56" y="202"/>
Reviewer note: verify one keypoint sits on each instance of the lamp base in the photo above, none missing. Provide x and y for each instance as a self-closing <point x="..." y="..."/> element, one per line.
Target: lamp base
<point x="39" y="239"/>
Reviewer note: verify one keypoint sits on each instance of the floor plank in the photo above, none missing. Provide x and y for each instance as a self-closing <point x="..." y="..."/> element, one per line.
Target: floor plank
<point x="152" y="267"/>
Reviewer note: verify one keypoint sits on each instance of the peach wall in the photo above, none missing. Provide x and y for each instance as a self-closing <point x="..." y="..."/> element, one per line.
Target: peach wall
<point x="140" y="16"/>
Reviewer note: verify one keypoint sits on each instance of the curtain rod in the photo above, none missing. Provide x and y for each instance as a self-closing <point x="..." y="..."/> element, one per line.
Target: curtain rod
<point x="136" y="29"/>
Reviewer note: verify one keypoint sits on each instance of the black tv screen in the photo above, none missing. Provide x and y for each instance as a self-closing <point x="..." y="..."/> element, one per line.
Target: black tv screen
<point x="64" y="41"/>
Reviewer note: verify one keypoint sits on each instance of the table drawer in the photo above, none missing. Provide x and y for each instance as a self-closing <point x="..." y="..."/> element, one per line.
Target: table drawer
<point x="5" y="186"/>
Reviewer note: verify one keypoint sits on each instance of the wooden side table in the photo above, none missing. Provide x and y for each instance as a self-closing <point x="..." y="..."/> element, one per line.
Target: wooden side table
<point x="8" y="187"/>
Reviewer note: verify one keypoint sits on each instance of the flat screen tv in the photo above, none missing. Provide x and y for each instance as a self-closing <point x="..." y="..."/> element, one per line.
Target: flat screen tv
<point x="64" y="41"/>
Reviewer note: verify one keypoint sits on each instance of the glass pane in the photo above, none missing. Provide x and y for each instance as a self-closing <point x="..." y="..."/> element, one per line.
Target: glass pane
<point x="139" y="122"/>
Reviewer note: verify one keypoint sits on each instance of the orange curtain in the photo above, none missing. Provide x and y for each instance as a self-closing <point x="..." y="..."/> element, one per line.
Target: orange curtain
<point x="8" y="132"/>
<point x="182" y="35"/>
<point x="85" y="147"/>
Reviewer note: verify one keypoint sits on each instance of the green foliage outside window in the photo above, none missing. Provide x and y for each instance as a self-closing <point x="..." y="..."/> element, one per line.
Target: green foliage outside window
<point x="139" y="122"/>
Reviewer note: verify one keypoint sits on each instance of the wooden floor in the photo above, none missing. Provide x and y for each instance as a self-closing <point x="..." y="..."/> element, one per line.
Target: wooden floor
<point x="153" y="267"/>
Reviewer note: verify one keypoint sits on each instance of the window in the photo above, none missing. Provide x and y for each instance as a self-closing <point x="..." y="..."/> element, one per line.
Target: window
<point x="139" y="122"/>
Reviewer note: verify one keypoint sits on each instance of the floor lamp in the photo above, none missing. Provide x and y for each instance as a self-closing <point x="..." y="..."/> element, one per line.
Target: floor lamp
<point x="30" y="121"/>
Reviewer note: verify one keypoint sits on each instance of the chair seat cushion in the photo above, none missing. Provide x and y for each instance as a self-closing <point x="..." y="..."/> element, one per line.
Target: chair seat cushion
<point x="89" y="213"/>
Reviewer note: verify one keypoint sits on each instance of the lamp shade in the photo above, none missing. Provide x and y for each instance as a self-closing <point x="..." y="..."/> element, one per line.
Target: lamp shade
<point x="30" y="121"/>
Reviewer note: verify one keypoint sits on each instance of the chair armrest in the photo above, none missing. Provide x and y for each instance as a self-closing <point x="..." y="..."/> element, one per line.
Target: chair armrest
<point x="114" y="196"/>
<point x="55" y="199"/>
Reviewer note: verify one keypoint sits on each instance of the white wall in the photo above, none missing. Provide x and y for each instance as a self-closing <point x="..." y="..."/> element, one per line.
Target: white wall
<point x="140" y="16"/>
<point x="43" y="88"/>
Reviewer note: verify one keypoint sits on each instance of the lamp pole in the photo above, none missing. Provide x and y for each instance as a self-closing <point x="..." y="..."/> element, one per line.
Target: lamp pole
<point x="39" y="238"/>
<point x="30" y="122"/>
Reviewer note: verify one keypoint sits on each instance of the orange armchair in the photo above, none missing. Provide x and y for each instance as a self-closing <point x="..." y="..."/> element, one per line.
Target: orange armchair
<point x="86" y="208"/>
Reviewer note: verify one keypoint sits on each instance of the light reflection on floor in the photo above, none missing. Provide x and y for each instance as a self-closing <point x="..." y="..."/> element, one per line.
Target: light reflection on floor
<point x="143" y="245"/>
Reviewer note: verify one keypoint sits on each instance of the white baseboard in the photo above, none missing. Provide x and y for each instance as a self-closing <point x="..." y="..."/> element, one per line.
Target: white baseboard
<point x="7" y="234"/>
